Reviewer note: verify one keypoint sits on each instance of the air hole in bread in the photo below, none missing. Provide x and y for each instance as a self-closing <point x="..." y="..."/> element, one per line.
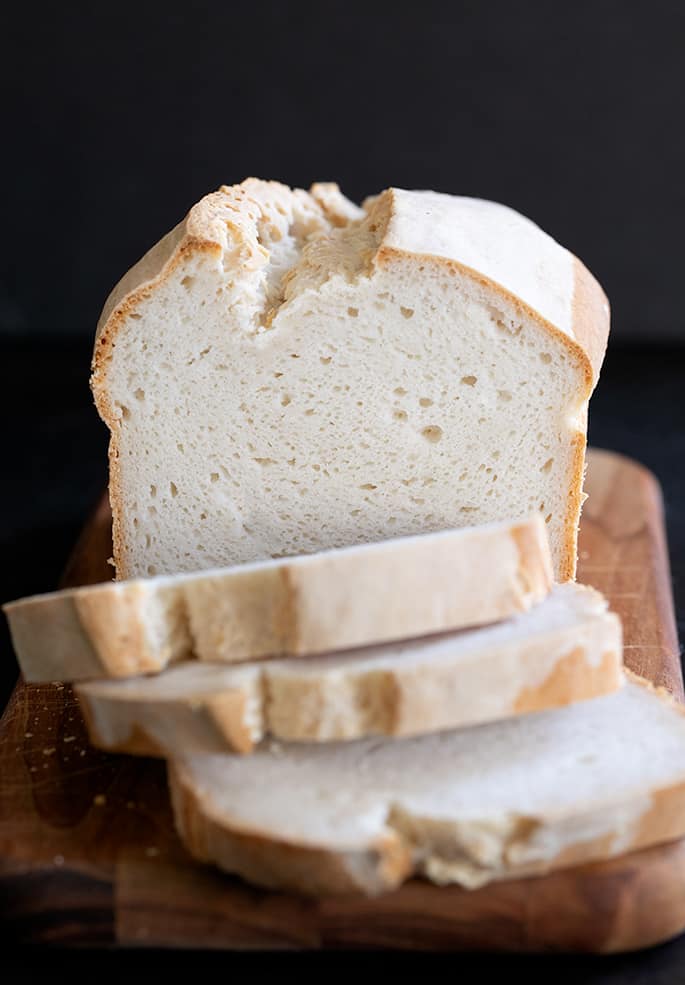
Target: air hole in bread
<point x="407" y="312"/>
<point x="173" y="489"/>
<point x="400" y="415"/>
<point x="353" y="312"/>
<point x="469" y="380"/>
<point x="432" y="433"/>
<point x="425" y="402"/>
<point x="548" y="465"/>
<point x="187" y="282"/>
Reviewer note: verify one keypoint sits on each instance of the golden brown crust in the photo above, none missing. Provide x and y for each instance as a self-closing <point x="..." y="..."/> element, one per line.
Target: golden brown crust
<point x="138" y="742"/>
<point x="576" y="498"/>
<point x="591" y="316"/>
<point x="535" y="562"/>
<point x="571" y="679"/>
<point x="113" y="625"/>
<point x="228" y="714"/>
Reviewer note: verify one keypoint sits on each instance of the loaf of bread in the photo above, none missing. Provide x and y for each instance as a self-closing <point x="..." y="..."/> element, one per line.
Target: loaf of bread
<point x="565" y="649"/>
<point x="286" y="373"/>
<point x="512" y="798"/>
<point x="350" y="597"/>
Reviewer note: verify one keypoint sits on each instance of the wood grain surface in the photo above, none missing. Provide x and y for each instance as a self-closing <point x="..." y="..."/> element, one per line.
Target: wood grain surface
<point x="88" y="854"/>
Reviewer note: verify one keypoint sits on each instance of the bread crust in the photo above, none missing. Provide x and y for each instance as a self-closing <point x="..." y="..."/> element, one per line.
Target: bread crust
<point x="201" y="234"/>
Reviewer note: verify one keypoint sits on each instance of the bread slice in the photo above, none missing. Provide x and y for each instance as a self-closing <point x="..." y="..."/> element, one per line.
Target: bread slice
<point x="344" y="598"/>
<point x="285" y="373"/>
<point x="512" y="798"/>
<point x="568" y="648"/>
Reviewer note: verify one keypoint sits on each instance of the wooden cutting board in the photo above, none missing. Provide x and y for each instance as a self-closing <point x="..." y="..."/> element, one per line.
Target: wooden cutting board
<point x="88" y="853"/>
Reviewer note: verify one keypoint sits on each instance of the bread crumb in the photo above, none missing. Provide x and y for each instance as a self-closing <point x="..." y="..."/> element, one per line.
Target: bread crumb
<point x="58" y="860"/>
<point x="99" y="799"/>
<point x="28" y="735"/>
<point x="69" y="738"/>
<point x="49" y="751"/>
<point x="151" y="851"/>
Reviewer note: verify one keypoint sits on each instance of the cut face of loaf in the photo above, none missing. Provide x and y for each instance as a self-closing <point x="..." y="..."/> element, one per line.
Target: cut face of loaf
<point x="356" y="596"/>
<point x="286" y="373"/>
<point x="515" y="798"/>
<point x="568" y="648"/>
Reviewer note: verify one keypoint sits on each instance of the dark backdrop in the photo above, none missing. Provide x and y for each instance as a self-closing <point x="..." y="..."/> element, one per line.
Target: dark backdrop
<point x="119" y="115"/>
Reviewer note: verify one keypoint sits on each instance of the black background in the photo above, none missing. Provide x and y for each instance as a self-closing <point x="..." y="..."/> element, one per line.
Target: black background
<point x="117" y="117"/>
<point x="122" y="114"/>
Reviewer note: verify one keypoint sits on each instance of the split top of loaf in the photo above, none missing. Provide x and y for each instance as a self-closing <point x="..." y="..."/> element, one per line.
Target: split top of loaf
<point x="285" y="373"/>
<point x="350" y="597"/>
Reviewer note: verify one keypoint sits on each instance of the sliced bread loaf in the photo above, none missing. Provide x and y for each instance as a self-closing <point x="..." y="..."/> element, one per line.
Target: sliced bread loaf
<point x="568" y="648"/>
<point x="512" y="798"/>
<point x="285" y="373"/>
<point x="329" y="601"/>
